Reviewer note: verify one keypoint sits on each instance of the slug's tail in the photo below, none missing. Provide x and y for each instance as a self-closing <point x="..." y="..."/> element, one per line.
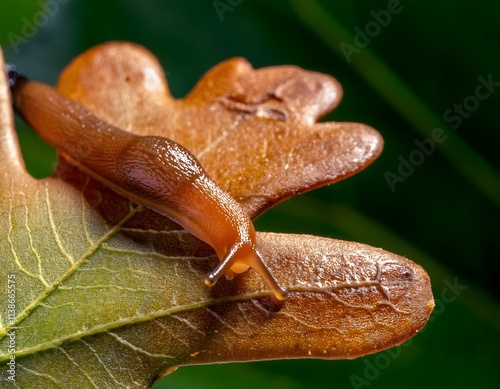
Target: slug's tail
<point x="243" y="255"/>
<point x="14" y="78"/>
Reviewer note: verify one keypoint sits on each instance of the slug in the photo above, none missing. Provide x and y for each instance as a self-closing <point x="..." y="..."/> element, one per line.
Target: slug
<point x="153" y="171"/>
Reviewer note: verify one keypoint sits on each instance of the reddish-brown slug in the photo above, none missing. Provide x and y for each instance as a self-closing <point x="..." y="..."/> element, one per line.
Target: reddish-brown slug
<point x="150" y="170"/>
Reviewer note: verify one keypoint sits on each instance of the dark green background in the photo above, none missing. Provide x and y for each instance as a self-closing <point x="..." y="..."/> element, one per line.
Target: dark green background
<point x="444" y="215"/>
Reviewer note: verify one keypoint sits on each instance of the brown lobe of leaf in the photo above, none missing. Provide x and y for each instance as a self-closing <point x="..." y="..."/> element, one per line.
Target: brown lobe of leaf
<point x="254" y="131"/>
<point x="346" y="300"/>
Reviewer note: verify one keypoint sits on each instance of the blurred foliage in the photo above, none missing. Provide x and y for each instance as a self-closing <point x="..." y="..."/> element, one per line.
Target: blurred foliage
<point x="426" y="60"/>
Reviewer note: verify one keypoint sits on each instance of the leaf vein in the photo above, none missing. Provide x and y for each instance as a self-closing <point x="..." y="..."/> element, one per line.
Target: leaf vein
<point x="57" y="238"/>
<point x="73" y="362"/>
<point x="223" y="322"/>
<point x="11" y="241"/>
<point x="56" y="283"/>
<point x="104" y="286"/>
<point x="84" y="221"/>
<point x="138" y="349"/>
<point x="32" y="247"/>
<point x="102" y="363"/>
<point x="36" y="373"/>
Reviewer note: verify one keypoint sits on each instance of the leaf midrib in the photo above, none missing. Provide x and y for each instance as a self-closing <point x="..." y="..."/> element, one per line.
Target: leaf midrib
<point x="191" y="307"/>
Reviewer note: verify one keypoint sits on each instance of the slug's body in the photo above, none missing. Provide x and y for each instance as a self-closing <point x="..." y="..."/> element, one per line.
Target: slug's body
<point x="153" y="171"/>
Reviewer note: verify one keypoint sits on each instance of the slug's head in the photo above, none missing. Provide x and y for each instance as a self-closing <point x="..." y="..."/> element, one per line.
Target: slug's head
<point x="239" y="258"/>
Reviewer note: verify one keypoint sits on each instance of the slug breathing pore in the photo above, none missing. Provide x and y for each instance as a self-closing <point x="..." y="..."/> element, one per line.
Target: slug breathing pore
<point x="153" y="171"/>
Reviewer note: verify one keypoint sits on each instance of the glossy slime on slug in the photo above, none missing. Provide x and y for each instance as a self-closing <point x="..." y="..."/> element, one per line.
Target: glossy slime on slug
<point x="150" y="170"/>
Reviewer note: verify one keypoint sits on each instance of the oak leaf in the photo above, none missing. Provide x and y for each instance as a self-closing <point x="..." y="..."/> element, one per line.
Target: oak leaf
<point x="109" y="294"/>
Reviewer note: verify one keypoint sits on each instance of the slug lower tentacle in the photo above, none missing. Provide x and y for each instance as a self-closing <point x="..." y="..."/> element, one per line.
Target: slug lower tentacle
<point x="150" y="170"/>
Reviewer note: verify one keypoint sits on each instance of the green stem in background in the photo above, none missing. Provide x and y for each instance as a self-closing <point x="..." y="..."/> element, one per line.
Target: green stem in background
<point x="380" y="76"/>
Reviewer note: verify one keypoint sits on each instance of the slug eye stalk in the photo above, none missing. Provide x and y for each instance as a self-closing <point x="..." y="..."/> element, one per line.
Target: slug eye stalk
<point x="238" y="260"/>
